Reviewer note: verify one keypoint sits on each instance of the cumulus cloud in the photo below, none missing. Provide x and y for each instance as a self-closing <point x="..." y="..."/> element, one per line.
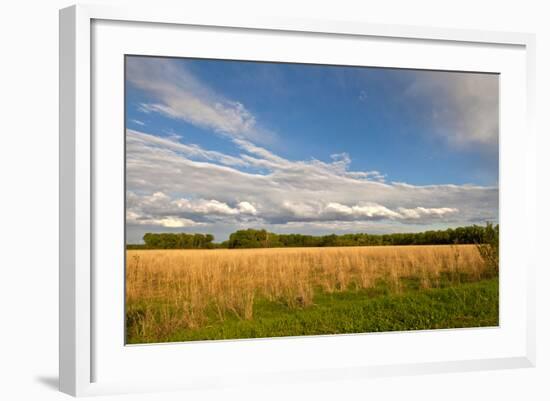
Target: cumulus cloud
<point x="247" y="208"/>
<point x="419" y="212"/>
<point x="464" y="106"/>
<point x="134" y="218"/>
<point x="180" y="212"/>
<point x="180" y="95"/>
<point x="171" y="184"/>
<point x="318" y="211"/>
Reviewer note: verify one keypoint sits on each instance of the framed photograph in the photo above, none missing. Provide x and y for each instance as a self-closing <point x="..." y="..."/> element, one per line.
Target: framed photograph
<point x="272" y="200"/>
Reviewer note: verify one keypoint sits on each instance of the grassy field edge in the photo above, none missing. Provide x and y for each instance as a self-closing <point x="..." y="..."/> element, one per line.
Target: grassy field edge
<point x="460" y="306"/>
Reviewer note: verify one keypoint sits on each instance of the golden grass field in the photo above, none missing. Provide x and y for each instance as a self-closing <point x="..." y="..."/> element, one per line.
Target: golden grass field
<point x="175" y="289"/>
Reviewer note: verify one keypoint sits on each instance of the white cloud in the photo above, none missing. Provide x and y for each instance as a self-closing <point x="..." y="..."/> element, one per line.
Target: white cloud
<point x="247" y="208"/>
<point x="175" y="222"/>
<point x="419" y="212"/>
<point x="373" y="211"/>
<point x="464" y="106"/>
<point x="202" y="206"/>
<point x="317" y="211"/>
<point x="191" y="151"/>
<point x="133" y="218"/>
<point x="263" y="158"/>
<point x="163" y="210"/>
<point x="170" y="180"/>
<point x="180" y="95"/>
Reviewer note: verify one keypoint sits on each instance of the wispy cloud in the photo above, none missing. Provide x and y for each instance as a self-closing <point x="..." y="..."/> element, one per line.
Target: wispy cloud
<point x="464" y="107"/>
<point x="138" y="122"/>
<point x="180" y="95"/>
<point x="191" y="151"/>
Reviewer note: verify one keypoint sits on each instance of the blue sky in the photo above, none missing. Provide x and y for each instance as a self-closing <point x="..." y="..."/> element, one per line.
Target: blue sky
<point x="336" y="149"/>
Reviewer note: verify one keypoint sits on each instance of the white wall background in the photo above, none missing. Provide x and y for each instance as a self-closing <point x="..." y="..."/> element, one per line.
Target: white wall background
<point x="29" y="186"/>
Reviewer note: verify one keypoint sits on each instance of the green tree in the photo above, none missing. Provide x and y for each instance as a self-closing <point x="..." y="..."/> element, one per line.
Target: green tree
<point x="488" y="247"/>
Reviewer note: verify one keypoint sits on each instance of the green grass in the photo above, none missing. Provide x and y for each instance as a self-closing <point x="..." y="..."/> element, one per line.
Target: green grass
<point x="376" y="310"/>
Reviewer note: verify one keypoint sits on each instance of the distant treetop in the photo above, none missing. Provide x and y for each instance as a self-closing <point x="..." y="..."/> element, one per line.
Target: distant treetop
<point x="252" y="238"/>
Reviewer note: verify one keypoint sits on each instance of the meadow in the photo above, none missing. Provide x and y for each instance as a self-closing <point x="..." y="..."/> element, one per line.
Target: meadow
<point x="212" y="294"/>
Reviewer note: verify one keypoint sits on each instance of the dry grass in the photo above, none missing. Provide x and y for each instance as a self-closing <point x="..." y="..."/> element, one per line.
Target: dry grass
<point x="171" y="289"/>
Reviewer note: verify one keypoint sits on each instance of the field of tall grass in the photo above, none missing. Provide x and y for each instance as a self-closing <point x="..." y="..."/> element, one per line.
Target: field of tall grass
<point x="184" y="290"/>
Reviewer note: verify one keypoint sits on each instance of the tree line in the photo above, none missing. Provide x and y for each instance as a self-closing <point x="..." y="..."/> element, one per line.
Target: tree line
<point x="252" y="238"/>
<point x="175" y="241"/>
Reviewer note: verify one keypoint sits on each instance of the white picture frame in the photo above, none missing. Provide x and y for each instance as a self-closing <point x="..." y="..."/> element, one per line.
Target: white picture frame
<point x="82" y="344"/>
